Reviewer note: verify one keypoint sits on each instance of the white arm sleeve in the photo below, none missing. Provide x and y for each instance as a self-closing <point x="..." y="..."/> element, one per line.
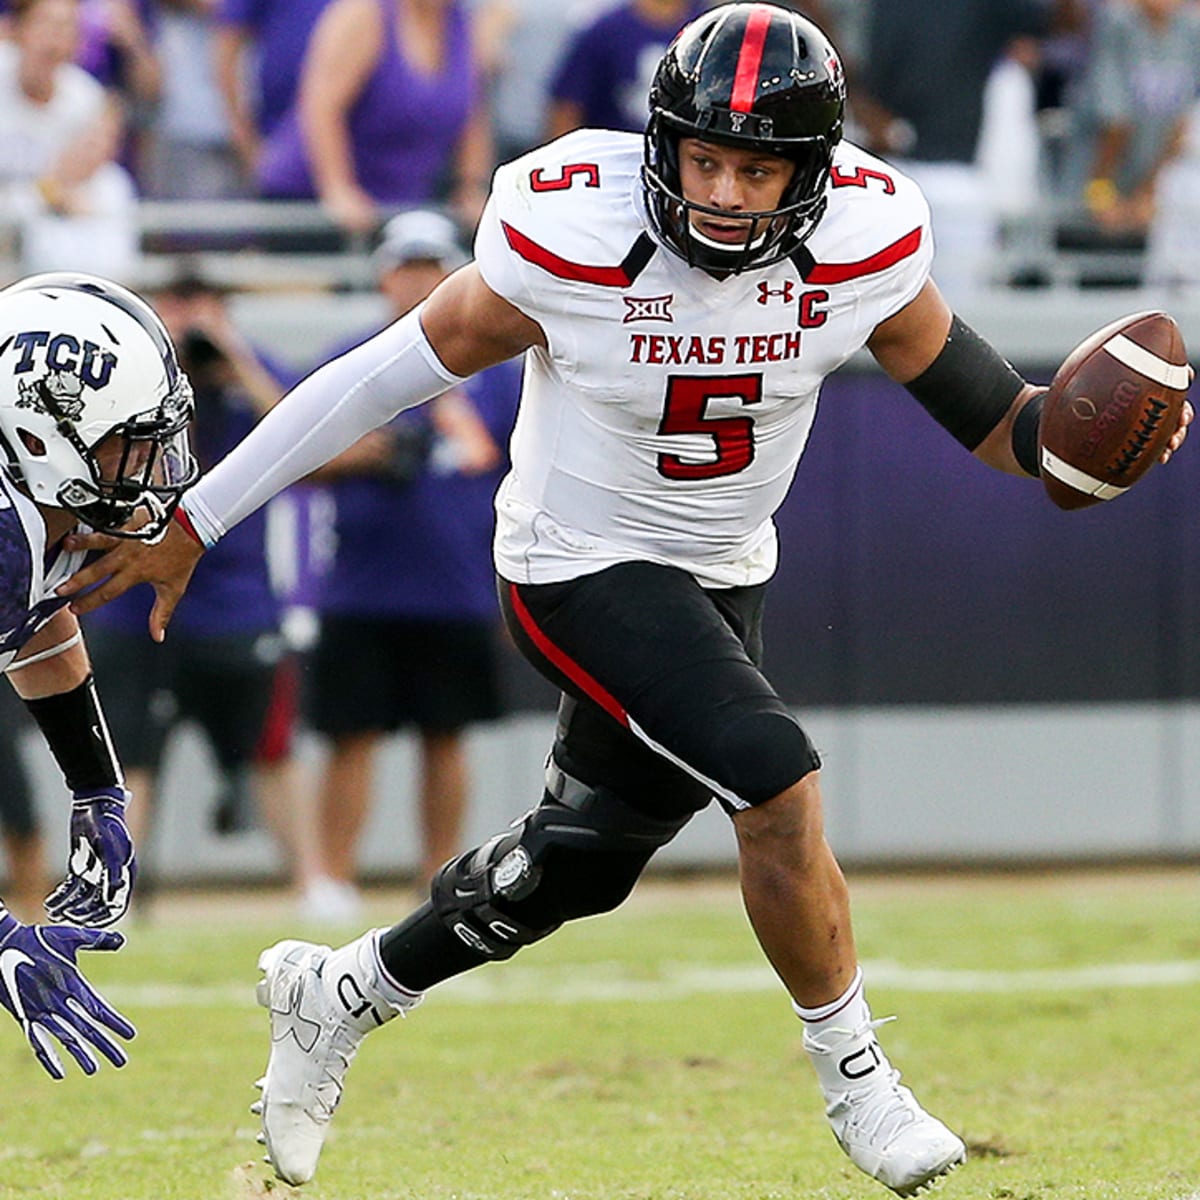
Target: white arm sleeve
<point x="318" y="419"/>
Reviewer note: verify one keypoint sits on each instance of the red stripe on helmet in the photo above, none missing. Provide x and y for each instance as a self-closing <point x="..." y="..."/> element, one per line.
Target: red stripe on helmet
<point x="745" y="79"/>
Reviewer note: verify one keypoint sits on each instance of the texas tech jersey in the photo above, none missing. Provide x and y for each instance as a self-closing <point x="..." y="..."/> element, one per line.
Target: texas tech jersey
<point x="665" y="420"/>
<point x="27" y="581"/>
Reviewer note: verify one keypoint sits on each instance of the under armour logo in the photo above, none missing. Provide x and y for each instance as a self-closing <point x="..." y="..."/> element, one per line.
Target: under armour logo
<point x="736" y="121"/>
<point x="765" y="291"/>
<point x="649" y="308"/>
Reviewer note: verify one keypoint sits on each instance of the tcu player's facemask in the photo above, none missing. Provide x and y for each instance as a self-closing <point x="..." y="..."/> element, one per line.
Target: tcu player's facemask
<point x="94" y="410"/>
<point x="757" y="77"/>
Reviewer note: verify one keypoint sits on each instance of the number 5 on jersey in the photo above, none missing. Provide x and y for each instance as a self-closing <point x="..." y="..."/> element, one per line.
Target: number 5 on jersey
<point x="684" y="411"/>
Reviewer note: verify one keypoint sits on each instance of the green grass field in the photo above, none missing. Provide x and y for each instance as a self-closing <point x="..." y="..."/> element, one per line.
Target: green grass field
<point x="648" y="1055"/>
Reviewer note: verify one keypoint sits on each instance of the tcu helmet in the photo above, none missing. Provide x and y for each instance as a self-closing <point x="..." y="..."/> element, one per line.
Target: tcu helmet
<point x="754" y="76"/>
<point x="94" y="410"/>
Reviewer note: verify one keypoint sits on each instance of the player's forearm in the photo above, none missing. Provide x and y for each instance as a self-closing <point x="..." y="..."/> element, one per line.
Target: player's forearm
<point x="1012" y="446"/>
<point x="322" y="416"/>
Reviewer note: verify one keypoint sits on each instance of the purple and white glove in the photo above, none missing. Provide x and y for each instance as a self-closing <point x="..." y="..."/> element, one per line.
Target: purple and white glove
<point x="43" y="988"/>
<point x="101" y="868"/>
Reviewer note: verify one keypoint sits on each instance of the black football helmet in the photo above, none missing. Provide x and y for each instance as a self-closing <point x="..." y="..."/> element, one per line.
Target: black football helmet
<point x="755" y="76"/>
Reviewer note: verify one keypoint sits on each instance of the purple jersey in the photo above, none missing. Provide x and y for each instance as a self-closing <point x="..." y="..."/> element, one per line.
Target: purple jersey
<point x="403" y="127"/>
<point x="423" y="548"/>
<point x="29" y="571"/>
<point x="280" y="29"/>
<point x="608" y="66"/>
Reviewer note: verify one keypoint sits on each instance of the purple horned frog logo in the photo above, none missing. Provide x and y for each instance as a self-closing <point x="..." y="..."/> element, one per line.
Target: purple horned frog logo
<point x="54" y="368"/>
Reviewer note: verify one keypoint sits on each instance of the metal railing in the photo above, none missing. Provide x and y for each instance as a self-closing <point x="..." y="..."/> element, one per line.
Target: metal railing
<point x="293" y="245"/>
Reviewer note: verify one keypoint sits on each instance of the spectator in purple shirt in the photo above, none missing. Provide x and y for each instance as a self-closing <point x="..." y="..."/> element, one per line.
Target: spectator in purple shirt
<point x="389" y="114"/>
<point x="117" y="47"/>
<point x="220" y="667"/>
<point x="604" y="77"/>
<point x="260" y="49"/>
<point x="408" y="606"/>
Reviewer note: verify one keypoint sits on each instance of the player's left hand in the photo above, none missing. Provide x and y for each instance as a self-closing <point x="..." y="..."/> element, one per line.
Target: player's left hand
<point x="102" y="867"/>
<point x="44" y="989"/>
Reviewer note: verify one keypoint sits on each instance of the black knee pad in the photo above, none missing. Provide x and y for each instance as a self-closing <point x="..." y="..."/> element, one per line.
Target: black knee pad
<point x="577" y="854"/>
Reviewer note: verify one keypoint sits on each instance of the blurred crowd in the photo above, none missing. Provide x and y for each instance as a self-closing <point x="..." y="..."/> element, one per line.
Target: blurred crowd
<point x="1071" y="117"/>
<point x="1005" y="109"/>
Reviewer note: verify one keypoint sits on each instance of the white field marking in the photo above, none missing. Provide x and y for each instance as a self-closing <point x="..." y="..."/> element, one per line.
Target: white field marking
<point x="676" y="980"/>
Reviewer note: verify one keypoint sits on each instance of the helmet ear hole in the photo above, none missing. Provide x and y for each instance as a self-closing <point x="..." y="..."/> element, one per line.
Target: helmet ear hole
<point x="32" y="443"/>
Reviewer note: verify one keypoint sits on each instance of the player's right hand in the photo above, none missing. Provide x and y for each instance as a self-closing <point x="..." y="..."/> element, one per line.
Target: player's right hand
<point x="48" y="995"/>
<point x="167" y="564"/>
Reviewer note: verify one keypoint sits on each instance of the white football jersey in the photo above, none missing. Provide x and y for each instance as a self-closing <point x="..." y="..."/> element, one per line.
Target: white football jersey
<point x="665" y="420"/>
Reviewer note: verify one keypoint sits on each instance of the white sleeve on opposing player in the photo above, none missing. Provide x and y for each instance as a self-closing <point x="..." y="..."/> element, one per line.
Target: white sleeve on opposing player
<point x="320" y="417"/>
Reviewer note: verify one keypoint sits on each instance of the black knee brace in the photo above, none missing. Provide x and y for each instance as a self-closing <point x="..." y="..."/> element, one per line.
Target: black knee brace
<point x="578" y="853"/>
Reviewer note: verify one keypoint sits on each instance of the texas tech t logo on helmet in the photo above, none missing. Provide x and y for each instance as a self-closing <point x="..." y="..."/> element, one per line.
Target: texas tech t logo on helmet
<point x="758" y="77"/>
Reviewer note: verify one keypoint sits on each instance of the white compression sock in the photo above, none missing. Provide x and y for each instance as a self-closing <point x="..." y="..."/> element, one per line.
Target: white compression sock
<point x="848" y="1012"/>
<point x="357" y="982"/>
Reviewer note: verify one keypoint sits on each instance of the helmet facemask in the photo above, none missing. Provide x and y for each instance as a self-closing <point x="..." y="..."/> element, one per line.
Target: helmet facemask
<point x="770" y="236"/>
<point x="138" y="471"/>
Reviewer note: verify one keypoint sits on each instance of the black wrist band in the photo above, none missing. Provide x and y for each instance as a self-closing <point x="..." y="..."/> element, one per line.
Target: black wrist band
<point x="75" y="730"/>
<point x="1025" y="435"/>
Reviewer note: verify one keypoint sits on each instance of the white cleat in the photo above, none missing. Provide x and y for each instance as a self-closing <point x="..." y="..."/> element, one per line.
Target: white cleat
<point x="323" y="1003"/>
<point x="876" y="1120"/>
<point x="311" y="1049"/>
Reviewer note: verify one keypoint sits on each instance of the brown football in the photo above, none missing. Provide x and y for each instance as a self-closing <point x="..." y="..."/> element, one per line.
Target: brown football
<point x="1111" y="408"/>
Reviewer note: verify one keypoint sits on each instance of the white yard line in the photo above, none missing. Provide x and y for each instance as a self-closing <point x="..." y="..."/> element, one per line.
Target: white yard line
<point x="518" y="984"/>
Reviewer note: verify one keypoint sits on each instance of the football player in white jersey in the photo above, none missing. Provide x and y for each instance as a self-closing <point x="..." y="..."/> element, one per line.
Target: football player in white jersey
<point x="679" y="298"/>
<point x="94" y="414"/>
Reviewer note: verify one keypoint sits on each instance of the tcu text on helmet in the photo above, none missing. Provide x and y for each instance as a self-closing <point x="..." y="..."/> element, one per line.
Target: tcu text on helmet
<point x="62" y="352"/>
